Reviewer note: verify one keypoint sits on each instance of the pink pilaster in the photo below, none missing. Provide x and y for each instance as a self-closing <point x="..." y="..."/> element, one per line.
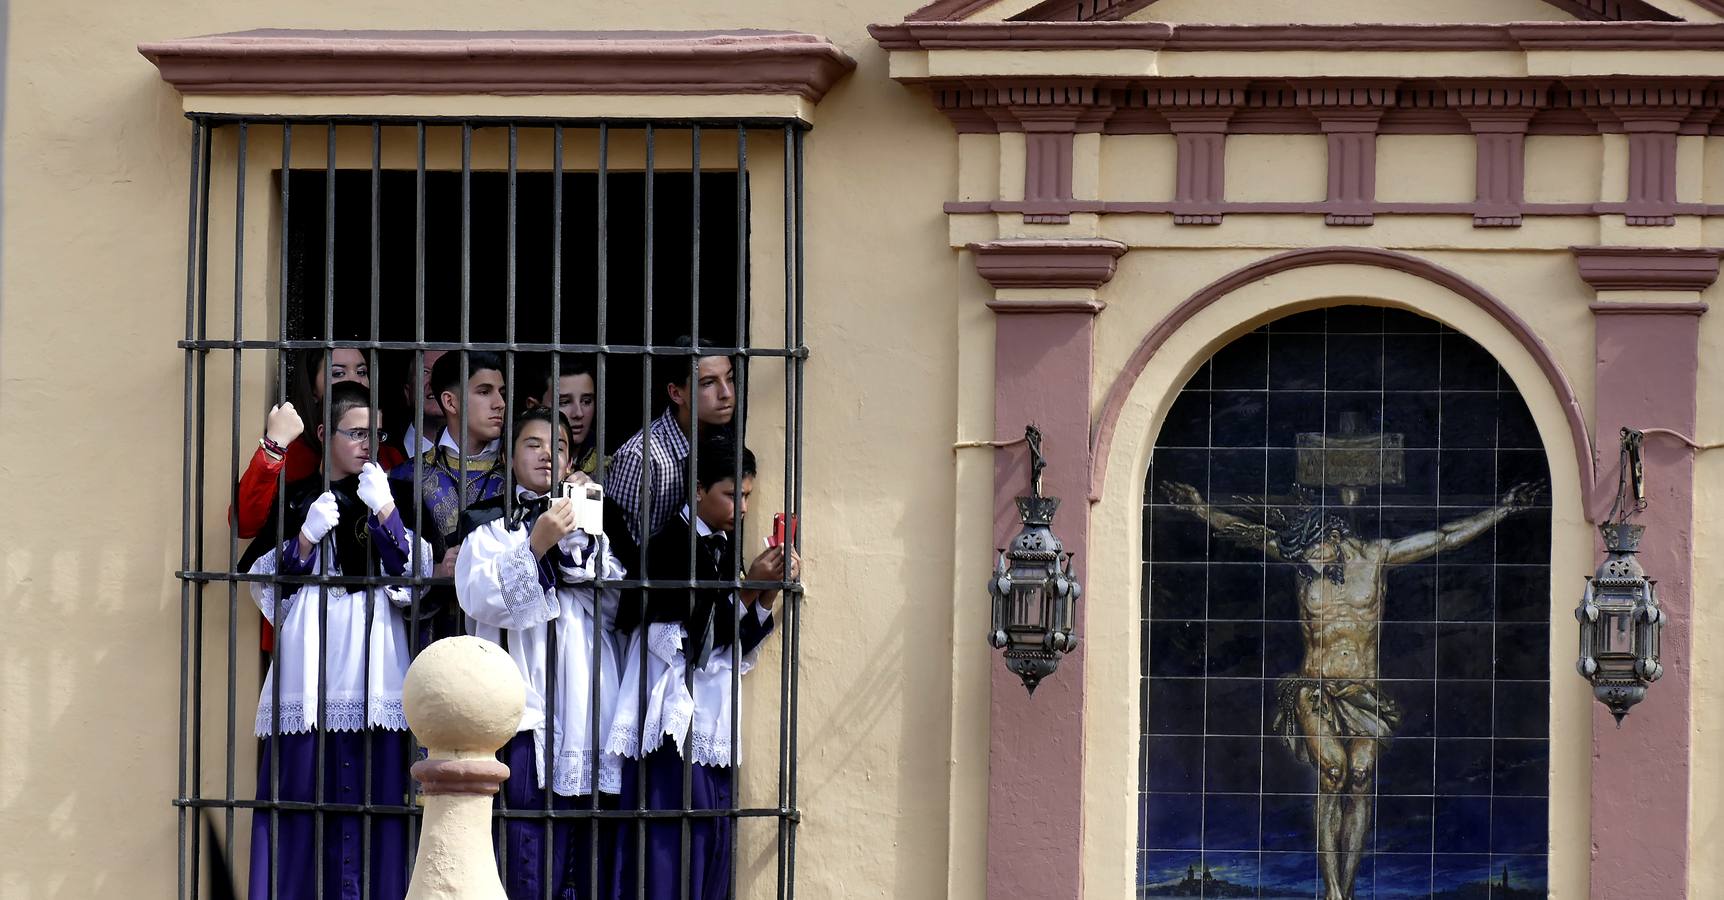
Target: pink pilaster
<point x="1647" y="360"/>
<point x="1042" y="362"/>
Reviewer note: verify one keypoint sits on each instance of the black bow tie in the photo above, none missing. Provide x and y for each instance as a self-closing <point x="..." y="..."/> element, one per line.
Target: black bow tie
<point x="529" y="509"/>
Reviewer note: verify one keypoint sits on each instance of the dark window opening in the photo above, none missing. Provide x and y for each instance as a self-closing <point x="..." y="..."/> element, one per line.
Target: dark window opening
<point x="672" y="268"/>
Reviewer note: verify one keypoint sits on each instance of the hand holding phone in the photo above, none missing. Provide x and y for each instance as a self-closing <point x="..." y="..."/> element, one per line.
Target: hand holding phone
<point x="783" y="531"/>
<point x="589" y="501"/>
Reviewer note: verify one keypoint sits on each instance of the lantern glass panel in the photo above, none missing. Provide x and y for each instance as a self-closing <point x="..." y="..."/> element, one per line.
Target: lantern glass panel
<point x="1027" y="611"/>
<point x="1616" y="631"/>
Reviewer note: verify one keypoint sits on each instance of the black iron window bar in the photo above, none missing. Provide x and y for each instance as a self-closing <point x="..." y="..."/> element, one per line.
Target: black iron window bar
<point x="199" y="581"/>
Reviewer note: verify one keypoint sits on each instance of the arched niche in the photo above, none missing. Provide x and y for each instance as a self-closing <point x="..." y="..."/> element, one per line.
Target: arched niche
<point x="1135" y="410"/>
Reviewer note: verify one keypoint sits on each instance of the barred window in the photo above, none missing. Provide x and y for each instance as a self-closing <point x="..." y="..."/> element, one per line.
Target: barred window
<point x="647" y="257"/>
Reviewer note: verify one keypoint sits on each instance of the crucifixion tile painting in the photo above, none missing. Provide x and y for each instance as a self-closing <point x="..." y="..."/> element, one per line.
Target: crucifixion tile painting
<point x="1346" y="608"/>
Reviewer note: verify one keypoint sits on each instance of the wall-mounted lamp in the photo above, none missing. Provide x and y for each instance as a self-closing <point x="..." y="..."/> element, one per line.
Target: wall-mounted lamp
<point x="1034" y="593"/>
<point x="1620" y="621"/>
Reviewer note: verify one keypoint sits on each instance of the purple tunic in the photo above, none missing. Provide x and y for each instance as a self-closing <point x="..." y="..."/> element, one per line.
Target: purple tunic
<point x="522" y="842"/>
<point x="709" y="858"/>
<point x="344" y="858"/>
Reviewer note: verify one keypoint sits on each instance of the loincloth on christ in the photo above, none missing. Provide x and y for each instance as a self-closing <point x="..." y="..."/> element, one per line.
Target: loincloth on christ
<point x="1346" y="709"/>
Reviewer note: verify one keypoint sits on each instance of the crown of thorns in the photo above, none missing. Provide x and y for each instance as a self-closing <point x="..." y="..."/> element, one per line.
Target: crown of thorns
<point x="1310" y="528"/>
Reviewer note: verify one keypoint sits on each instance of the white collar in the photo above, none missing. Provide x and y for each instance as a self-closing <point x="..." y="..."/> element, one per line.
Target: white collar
<point x="522" y="493"/>
<point x="445" y="440"/>
<point x="416" y="443"/>
<point x="700" y="526"/>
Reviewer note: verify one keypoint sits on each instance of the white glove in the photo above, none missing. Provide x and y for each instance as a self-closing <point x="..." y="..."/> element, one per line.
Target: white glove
<point x="575" y="543"/>
<point x="321" y="518"/>
<point x="374" y="487"/>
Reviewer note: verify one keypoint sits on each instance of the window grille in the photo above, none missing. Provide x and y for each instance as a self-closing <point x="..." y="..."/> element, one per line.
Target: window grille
<point x="546" y="239"/>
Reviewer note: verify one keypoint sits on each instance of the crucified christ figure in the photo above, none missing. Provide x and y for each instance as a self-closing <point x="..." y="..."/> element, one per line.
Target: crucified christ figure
<point x="1332" y="714"/>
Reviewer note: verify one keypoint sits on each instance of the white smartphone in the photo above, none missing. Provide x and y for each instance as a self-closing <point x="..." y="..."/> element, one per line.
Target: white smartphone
<point x="589" y="500"/>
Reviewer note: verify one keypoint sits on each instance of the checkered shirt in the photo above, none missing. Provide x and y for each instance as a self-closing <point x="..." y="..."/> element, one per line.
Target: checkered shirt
<point x="668" y="451"/>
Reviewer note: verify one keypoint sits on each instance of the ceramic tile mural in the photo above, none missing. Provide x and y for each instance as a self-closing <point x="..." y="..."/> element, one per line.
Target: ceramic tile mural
<point x="1346" y="621"/>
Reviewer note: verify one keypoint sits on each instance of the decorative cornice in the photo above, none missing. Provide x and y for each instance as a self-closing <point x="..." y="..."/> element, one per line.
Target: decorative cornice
<point x="1650" y="37"/>
<point x="501" y="62"/>
<point x="1648" y="309"/>
<point x="1124" y="105"/>
<point x="1104" y="10"/>
<point x="1022" y="35"/>
<point x="1648" y="268"/>
<point x="948" y="10"/>
<point x="1045" y="307"/>
<point x="1047" y="264"/>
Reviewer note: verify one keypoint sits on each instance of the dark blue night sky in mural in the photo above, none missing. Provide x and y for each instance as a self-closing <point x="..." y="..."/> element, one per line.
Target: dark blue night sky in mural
<point x="1346" y="621"/>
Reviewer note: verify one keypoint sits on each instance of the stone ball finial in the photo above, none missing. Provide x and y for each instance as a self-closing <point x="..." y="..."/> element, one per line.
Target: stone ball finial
<point x="463" y="695"/>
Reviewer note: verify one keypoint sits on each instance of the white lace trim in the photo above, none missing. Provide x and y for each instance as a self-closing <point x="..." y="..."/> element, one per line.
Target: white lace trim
<point x="574" y="773"/>
<point x="518" y="581"/>
<point x="353" y="714"/>
<point x="711" y="750"/>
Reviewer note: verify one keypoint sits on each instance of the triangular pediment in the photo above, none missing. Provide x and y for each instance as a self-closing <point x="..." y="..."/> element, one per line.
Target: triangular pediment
<point x="1298" y="12"/>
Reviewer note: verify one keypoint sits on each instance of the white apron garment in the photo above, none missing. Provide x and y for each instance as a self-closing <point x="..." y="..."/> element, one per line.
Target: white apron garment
<point x="364" y="686"/>
<point x="699" y="721"/>
<point x="497" y="582"/>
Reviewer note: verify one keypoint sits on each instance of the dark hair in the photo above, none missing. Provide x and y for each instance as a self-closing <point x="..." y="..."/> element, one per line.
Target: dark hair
<point x="446" y="374"/>
<point x="1310" y="528"/>
<point x="541" y="414"/>
<point x="717" y="462"/>
<point x="683" y="380"/>
<point x="343" y="396"/>
<point x="302" y="389"/>
<point x="566" y="365"/>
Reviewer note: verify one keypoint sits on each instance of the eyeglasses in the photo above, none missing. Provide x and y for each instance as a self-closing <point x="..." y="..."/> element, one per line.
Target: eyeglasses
<point x="359" y="435"/>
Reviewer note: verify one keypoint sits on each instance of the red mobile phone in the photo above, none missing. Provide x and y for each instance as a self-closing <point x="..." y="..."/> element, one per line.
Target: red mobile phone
<point x="783" y="530"/>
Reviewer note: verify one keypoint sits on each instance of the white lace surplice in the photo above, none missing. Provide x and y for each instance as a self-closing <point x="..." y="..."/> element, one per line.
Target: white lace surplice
<point x="497" y="580"/>
<point x="364" y="688"/>
<point x="698" y="721"/>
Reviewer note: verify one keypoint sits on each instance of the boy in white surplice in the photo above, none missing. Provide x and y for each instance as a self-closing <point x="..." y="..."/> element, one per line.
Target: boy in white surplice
<point x="525" y="578"/>
<point x="332" y="699"/>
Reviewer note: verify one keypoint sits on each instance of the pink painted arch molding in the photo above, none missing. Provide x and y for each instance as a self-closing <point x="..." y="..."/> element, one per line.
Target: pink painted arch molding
<point x="1102" y="439"/>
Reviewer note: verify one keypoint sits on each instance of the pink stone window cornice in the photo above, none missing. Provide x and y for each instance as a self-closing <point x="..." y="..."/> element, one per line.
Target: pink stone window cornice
<point x="271" y="61"/>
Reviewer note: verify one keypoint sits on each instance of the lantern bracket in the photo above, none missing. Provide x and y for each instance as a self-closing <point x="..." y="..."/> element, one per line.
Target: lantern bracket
<point x="1038" y="462"/>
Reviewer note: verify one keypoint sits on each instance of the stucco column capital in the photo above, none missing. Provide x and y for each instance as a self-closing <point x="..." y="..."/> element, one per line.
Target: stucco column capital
<point x="1607" y="269"/>
<point x="1045" y="276"/>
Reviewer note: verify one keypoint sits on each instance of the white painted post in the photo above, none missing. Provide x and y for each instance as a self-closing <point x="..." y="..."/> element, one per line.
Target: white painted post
<point x="463" y="698"/>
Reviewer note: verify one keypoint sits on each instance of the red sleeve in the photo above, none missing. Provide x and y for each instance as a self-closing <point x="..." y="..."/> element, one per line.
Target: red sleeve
<point x="256" y="492"/>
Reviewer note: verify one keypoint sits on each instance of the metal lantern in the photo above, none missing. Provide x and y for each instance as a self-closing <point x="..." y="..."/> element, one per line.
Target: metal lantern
<point x="1620" y="620"/>
<point x="1620" y="624"/>
<point x="1033" y="590"/>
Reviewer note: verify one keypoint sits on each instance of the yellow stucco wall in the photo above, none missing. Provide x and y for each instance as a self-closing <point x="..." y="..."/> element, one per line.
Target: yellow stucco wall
<point x="1436" y="168"/>
<point x="895" y="677"/>
<point x="1277" y="167"/>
